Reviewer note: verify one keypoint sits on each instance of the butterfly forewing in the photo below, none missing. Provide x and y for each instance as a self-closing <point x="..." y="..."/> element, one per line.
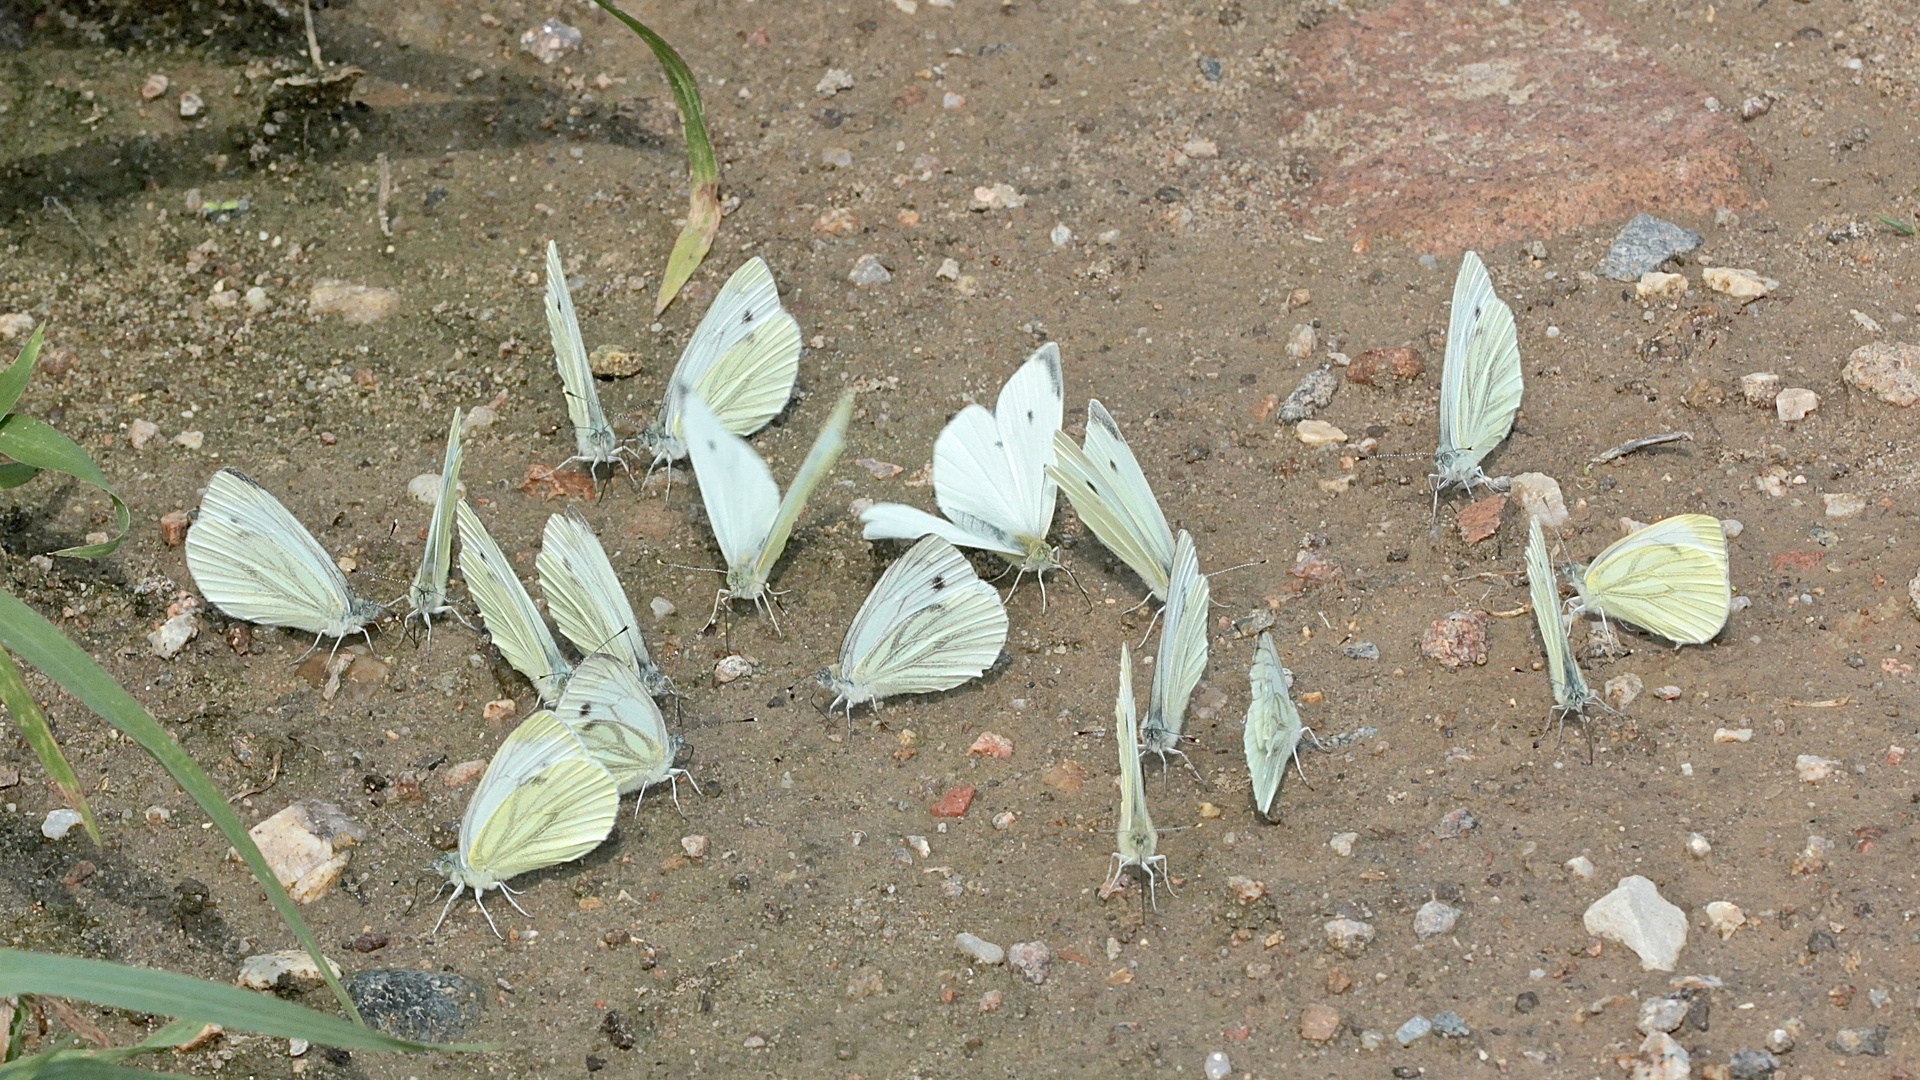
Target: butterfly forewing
<point x="1182" y="659"/>
<point x="1543" y="588"/>
<point x="1104" y="482"/>
<point x="594" y="439"/>
<point x="512" y="620"/>
<point x="611" y="711"/>
<point x="1136" y="834"/>
<point x="254" y="560"/>
<point x="1273" y="730"/>
<point x="543" y="800"/>
<point x="1669" y="578"/>
<point x="429" y="593"/>
<point x="585" y="596"/>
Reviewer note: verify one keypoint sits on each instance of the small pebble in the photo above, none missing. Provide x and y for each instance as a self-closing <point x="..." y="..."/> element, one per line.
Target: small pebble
<point x="1370" y="1039"/>
<point x="1698" y="846"/>
<point x="463" y="773"/>
<point x="1032" y="959"/>
<point x="954" y="803"/>
<point x="1004" y="820"/>
<point x="1795" y="403"/>
<point x="1318" y="433"/>
<point x="990" y="1001"/>
<point x="1449" y="1025"/>
<point x="1313" y="392"/>
<point x="1348" y="937"/>
<point x="949" y="270"/>
<point x="694" y="845"/>
<point x="1342" y="844"/>
<point x="1662" y="1014"/>
<point x="1812" y="769"/>
<point x="868" y="271"/>
<point x="1853" y="1042"/>
<point x="1216" y="1066"/>
<point x="1643" y="244"/>
<point x="173" y="527"/>
<point x="662" y="607"/>
<point x="1621" y="690"/>
<point x="1319" y="1023"/>
<point x="1540" y="495"/>
<point x="1413" y="1030"/>
<point x="1061" y="236"/>
<point x="1301" y="341"/>
<point x="1889" y="370"/>
<point x="997" y="197"/>
<point x="550" y="41"/>
<point x="1361" y="650"/>
<point x="1457" y="639"/>
<point x="834" y="81"/>
<point x="1434" y="918"/>
<point x="992" y="745"/>
<point x="499" y="711"/>
<point x="837" y="157"/>
<point x="191" y="105"/>
<point x="1245" y="890"/>
<point x="141" y="432"/>
<point x="1746" y="285"/>
<point x="191" y="440"/>
<point x="979" y="949"/>
<point x="1581" y="867"/>
<point x="424" y="488"/>
<point x="1840" y="505"/>
<point x="1666" y="693"/>
<point x="730" y="668"/>
<point x="155" y="86"/>
<point x="1725" y="918"/>
<point x="1654" y="284"/>
<point x="59" y="823"/>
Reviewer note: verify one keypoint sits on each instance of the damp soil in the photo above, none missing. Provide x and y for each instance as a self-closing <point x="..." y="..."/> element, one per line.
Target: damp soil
<point x="813" y="939"/>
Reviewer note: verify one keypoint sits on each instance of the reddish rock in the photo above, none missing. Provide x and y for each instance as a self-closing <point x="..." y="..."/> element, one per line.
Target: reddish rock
<point x="1482" y="519"/>
<point x="1068" y="776"/>
<point x="173" y="527"/>
<point x="80" y="872"/>
<point x="1475" y="125"/>
<point x="955" y="802"/>
<point x="1318" y="1023"/>
<point x="1385" y="367"/>
<point x="551" y="483"/>
<point x="464" y="773"/>
<point x="992" y="745"/>
<point x="1457" y="639"/>
<point x="1786" y="561"/>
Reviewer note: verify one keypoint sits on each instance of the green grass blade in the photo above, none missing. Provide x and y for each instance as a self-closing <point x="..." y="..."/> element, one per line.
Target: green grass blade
<point x="33" y="724"/>
<point x="167" y="993"/>
<point x="41" y="644"/>
<point x="13" y="381"/>
<point x="76" y="1065"/>
<point x="1897" y="225"/>
<point x="13" y="474"/>
<point x="703" y="174"/>
<point x="32" y="442"/>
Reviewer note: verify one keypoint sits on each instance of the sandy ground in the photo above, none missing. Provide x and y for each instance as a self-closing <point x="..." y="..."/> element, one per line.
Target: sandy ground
<point x="1224" y="174"/>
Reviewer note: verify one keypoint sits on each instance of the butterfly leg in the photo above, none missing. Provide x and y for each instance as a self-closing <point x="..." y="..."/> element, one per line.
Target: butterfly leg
<point x="509" y="894"/>
<point x="457" y="889"/>
<point x="488" y="914"/>
<point x="1117" y="865"/>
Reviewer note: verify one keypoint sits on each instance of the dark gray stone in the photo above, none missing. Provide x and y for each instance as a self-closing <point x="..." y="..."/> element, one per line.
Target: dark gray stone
<point x="1871" y="1042"/>
<point x="1312" y="395"/>
<point x="1749" y="1064"/>
<point x="1362" y="650"/>
<point x="425" y="1006"/>
<point x="1643" y="245"/>
<point x="1449" y="1025"/>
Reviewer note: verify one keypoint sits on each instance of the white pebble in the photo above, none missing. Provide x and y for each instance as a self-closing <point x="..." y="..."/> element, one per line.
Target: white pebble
<point x="662" y="607"/>
<point x="1698" y="846"/>
<point x="1342" y="844"/>
<point x="1581" y="867"/>
<point x="59" y="823"/>
<point x="1217" y="1066"/>
<point x="1061" y="236"/>
<point x="1794" y="403"/>
<point x="867" y="270"/>
<point x="424" y="488"/>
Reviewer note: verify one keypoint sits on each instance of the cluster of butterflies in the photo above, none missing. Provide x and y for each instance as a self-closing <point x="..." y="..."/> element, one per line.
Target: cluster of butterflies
<point x="551" y="793"/>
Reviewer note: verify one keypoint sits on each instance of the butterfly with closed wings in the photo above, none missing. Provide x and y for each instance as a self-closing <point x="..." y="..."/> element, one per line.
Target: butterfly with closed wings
<point x="1571" y="695"/>
<point x="1272" y="736"/>
<point x="1669" y="578"/>
<point x="1138" y="840"/>
<point x="751" y="520"/>
<point x="1103" y="480"/>
<point x="1182" y="658"/>
<point x="588" y="603"/>
<point x="542" y="801"/>
<point x="253" y="560"/>
<point x="428" y="593"/>
<point x="611" y="710"/>
<point x="742" y="361"/>
<point x="1480" y="385"/>
<point x="594" y="440"/>
<point x="990" y="475"/>
<point x="929" y="624"/>
<point x="512" y="620"/>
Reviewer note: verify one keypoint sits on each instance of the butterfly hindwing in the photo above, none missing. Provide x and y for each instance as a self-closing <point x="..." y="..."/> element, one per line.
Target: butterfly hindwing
<point x="253" y="560"/>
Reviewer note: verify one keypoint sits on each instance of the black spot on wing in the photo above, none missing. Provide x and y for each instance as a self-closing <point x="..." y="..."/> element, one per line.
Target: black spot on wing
<point x="746" y="316"/>
<point x="939" y="582"/>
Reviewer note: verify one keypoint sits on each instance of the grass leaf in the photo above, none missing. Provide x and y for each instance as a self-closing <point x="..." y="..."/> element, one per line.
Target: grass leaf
<point x="703" y="175"/>
<point x="167" y="993"/>
<point x="39" y="734"/>
<point x="1896" y="225"/>
<point x="40" y="643"/>
<point x="33" y="443"/>
<point x="13" y="381"/>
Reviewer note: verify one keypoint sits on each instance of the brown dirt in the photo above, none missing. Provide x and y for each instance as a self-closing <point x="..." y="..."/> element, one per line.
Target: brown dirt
<point x="800" y="945"/>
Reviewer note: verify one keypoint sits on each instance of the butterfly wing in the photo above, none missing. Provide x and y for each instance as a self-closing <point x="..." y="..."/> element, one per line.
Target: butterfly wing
<point x="542" y="801"/>
<point x="1110" y="493"/>
<point x="610" y="709"/>
<point x="585" y="596"/>
<point x="593" y="437"/>
<point x="1669" y="578"/>
<point x="742" y="359"/>
<point x="895" y="521"/>
<point x="254" y="560"/>
<point x="1135" y="832"/>
<point x="735" y="484"/>
<point x="1543" y="588"/>
<point x="991" y="468"/>
<point x="929" y="624"/>
<point x="512" y="621"/>
<point x="1480" y="384"/>
<point x="820" y="460"/>
<point x="429" y="592"/>
<point x="1273" y="730"/>
<point x="1183" y="649"/>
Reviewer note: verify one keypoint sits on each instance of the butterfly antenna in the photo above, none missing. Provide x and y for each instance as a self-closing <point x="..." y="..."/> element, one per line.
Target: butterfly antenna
<point x="404" y="829"/>
<point x="1065" y="569"/>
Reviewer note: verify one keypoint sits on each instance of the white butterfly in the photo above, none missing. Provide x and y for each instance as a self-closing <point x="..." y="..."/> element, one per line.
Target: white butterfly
<point x="750" y="519"/>
<point x="990" y="475"/>
<point x="1480" y="386"/>
<point x="543" y="801"/>
<point x="742" y="361"/>
<point x="610" y="709"/>
<point x="255" y="561"/>
<point x="593" y="437"/>
<point x="1104" y="482"/>
<point x="1670" y="578"/>
<point x="1570" y="691"/>
<point x="428" y="594"/>
<point x="587" y="601"/>
<point x="1182" y="659"/>
<point x="929" y="624"/>
<point x="1138" y="840"/>
<point x="512" y="621"/>
<point x="1273" y="731"/>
